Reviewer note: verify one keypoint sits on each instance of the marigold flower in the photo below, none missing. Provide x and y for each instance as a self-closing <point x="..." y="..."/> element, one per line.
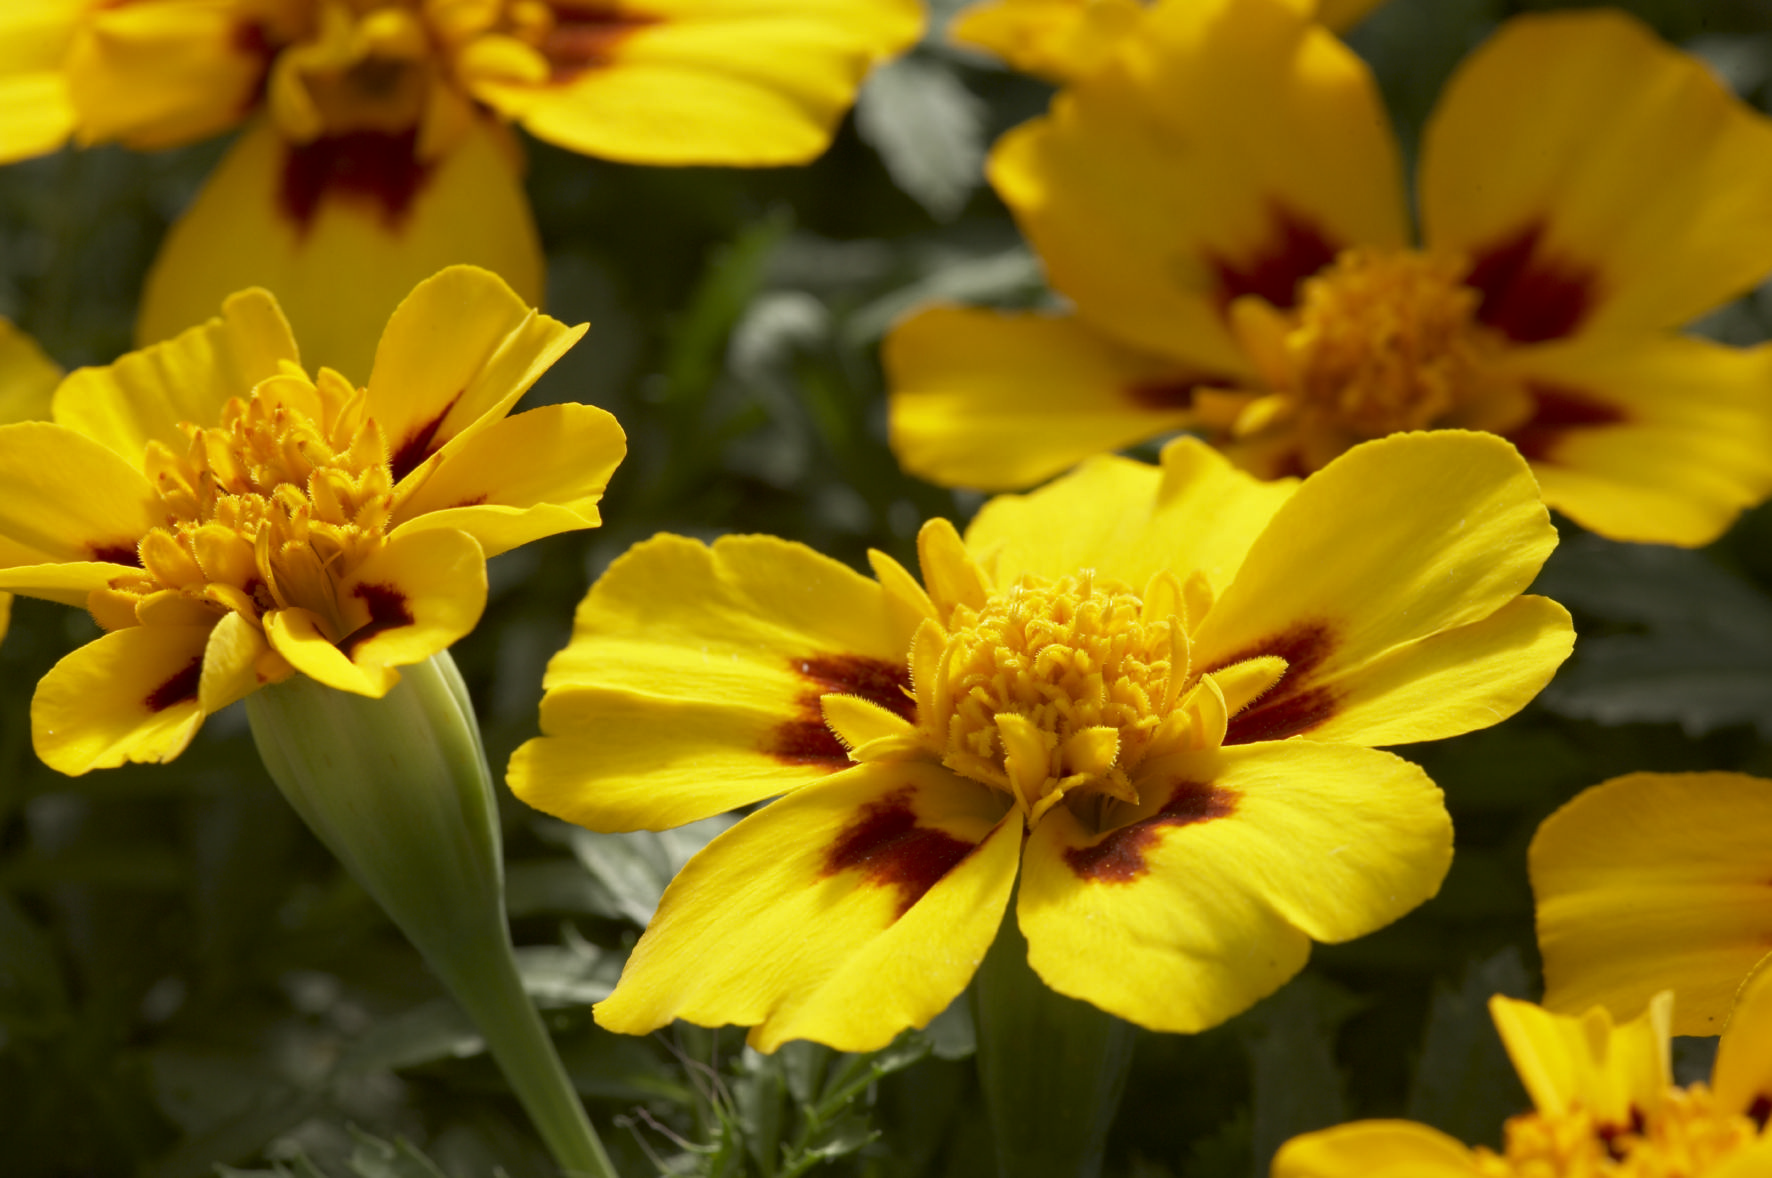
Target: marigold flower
<point x="1584" y="189"/>
<point x="375" y="151"/>
<point x="1097" y="688"/>
<point x="1655" y="881"/>
<point x="230" y="521"/>
<point x="1605" y="1105"/>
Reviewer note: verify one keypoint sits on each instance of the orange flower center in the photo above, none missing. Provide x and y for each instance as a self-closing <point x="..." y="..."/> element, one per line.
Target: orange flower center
<point x="264" y="511"/>
<point x="1684" y="1137"/>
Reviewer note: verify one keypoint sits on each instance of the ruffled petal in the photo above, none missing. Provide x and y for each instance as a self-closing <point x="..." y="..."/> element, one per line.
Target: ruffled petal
<point x="1129" y="521"/>
<point x="1396" y="540"/>
<point x="520" y="478"/>
<point x="27" y="376"/>
<point x="1153" y="211"/>
<point x="128" y="696"/>
<point x="990" y="400"/>
<point x="684" y="651"/>
<point x="1742" y="1078"/>
<point x="744" y="82"/>
<point x="147" y="394"/>
<point x="68" y="498"/>
<point x="1614" y="1071"/>
<point x="341" y="230"/>
<point x="1375" y="1149"/>
<point x="158" y="75"/>
<point x="1656" y="440"/>
<point x="1205" y="897"/>
<point x="417" y="595"/>
<point x="843" y="914"/>
<point x="1654" y="882"/>
<point x="1599" y="179"/>
<point x="36" y="111"/>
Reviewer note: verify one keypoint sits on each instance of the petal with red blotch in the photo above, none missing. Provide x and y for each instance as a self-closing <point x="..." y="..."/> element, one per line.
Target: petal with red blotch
<point x="342" y="229"/>
<point x="69" y="498"/>
<point x="844" y="913"/>
<point x="130" y="695"/>
<point x="1599" y="179"/>
<point x="417" y="595"/>
<point x="520" y="478"/>
<point x="985" y="399"/>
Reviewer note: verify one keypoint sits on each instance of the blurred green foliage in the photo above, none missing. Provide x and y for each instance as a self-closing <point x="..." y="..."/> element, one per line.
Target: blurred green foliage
<point x="186" y="978"/>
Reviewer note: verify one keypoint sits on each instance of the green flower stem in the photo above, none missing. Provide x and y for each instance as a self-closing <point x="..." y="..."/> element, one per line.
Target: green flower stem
<point x="398" y="788"/>
<point x="1053" y="1068"/>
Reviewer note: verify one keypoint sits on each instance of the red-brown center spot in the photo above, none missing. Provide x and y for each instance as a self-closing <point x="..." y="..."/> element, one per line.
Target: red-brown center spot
<point x="807" y="739"/>
<point x="388" y="610"/>
<point x="1294" y="248"/>
<point x="116" y="554"/>
<point x="378" y="168"/>
<point x="1556" y="410"/>
<point x="1119" y="856"/>
<point x="419" y="444"/>
<point x="586" y="36"/>
<point x="1293" y="705"/>
<point x="891" y="850"/>
<point x="180" y="688"/>
<point x="1529" y="294"/>
<point x="1175" y="392"/>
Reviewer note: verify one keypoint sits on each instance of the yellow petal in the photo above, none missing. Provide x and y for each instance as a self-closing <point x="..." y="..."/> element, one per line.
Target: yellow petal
<point x="71" y="582"/>
<point x="1130" y="521"/>
<point x="419" y="594"/>
<point x="844" y="913"/>
<point x="1205" y="897"/>
<point x="991" y="400"/>
<point x="147" y="394"/>
<point x="694" y="677"/>
<point x="1650" y="882"/>
<point x="1058" y="40"/>
<point x="128" y="696"/>
<point x="520" y="478"/>
<point x="1396" y="540"/>
<point x="157" y="75"/>
<point x="68" y="498"/>
<point x="741" y="82"/>
<point x="1152" y="211"/>
<point x="27" y="376"/>
<point x="341" y="256"/>
<point x="1375" y="1149"/>
<point x="1657" y="440"/>
<point x="457" y="353"/>
<point x="1586" y="1060"/>
<point x="36" y="112"/>
<point x="1742" y="1078"/>
<point x="1599" y="179"/>
<point x="296" y="635"/>
<point x="233" y="661"/>
<point x="952" y="574"/>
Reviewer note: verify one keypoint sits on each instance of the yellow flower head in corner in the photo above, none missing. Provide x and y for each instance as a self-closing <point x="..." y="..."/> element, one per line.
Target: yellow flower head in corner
<point x="1223" y="206"/>
<point x="1149" y="692"/>
<point x="230" y="521"/>
<point x="1606" y="1106"/>
<point x="376" y="150"/>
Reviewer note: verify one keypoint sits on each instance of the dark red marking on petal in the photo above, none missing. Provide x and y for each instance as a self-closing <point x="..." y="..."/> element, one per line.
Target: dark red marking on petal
<point x="1295" y="249"/>
<point x="1760" y="1111"/>
<point x="380" y="168"/>
<point x="586" y="36"/>
<point x="181" y="688"/>
<point x="1557" y="409"/>
<point x="477" y="501"/>
<point x="252" y="40"/>
<point x="417" y="446"/>
<point x="116" y="554"/>
<point x="1119" y="857"/>
<point x="1609" y="1134"/>
<point x="1292" y="705"/>
<point x="388" y="610"/>
<point x="1529" y="296"/>
<point x="807" y="739"/>
<point x="1175" y="392"/>
<point x="887" y="845"/>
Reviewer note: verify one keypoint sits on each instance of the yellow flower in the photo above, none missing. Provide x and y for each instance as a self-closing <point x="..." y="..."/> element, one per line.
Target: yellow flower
<point x="1096" y="689"/>
<point x="1222" y="203"/>
<point x="1605" y="1106"/>
<point x="1063" y="40"/>
<point x="230" y="521"/>
<point x="27" y="378"/>
<point x="1655" y="881"/>
<point x="375" y="151"/>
